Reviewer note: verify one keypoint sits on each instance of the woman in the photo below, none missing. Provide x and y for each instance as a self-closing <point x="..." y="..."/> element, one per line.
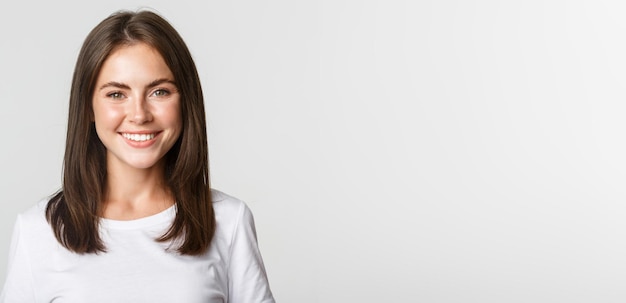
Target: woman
<point x="136" y="220"/>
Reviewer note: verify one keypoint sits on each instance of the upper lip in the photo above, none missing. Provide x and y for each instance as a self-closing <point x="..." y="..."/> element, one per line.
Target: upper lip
<point x="140" y="132"/>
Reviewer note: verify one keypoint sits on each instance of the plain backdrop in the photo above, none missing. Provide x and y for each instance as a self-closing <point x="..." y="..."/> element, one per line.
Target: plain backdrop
<point x="391" y="151"/>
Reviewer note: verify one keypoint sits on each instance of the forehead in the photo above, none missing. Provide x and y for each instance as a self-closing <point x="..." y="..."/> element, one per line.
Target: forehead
<point x="137" y="63"/>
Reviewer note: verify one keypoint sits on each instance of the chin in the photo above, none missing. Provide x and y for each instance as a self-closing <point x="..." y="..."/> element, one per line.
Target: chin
<point x="145" y="165"/>
<point x="142" y="164"/>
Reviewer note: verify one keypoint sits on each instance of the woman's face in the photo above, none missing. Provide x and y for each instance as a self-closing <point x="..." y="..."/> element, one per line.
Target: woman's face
<point x="136" y="107"/>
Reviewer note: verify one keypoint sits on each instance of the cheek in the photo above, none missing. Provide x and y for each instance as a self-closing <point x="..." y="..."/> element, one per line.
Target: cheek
<point x="174" y="118"/>
<point x="106" y="117"/>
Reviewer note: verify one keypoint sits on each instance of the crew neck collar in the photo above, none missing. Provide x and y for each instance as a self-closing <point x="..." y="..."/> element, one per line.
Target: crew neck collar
<point x="165" y="216"/>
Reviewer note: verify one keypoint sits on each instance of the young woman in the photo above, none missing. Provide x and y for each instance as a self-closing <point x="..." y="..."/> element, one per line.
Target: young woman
<point x="136" y="220"/>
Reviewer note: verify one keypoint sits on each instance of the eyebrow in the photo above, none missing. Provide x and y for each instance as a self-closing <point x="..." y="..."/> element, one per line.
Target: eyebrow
<point x="126" y="86"/>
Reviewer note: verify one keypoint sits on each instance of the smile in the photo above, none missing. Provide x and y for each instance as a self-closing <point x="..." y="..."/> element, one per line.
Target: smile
<point x="139" y="137"/>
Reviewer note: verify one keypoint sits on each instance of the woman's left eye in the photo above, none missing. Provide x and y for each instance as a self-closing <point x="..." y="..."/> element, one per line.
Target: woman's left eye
<point x="161" y="92"/>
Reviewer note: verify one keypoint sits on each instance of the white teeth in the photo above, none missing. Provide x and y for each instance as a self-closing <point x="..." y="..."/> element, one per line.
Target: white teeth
<point x="138" y="137"/>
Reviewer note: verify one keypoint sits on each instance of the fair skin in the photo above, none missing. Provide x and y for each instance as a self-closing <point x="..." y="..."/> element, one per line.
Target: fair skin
<point x="137" y="115"/>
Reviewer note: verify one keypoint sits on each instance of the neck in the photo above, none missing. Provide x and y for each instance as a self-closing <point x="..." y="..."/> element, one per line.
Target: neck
<point x="133" y="193"/>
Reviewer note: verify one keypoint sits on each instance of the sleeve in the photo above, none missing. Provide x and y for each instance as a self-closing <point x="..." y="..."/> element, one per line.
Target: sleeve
<point x="18" y="286"/>
<point x="247" y="277"/>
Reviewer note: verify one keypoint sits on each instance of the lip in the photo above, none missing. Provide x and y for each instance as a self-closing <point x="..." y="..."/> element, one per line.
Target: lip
<point x="140" y="144"/>
<point x="139" y="132"/>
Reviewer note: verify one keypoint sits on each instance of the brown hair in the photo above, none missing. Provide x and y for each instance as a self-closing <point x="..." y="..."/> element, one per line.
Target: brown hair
<point x="75" y="210"/>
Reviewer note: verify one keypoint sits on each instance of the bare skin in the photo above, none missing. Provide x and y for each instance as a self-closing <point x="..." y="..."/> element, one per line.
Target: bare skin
<point x="137" y="115"/>
<point x="134" y="194"/>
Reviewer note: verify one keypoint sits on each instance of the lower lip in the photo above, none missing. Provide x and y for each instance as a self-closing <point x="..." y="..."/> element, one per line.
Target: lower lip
<point x="141" y="144"/>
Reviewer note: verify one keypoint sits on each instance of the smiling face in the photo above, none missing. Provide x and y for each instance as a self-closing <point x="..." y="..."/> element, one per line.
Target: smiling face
<point x="136" y="107"/>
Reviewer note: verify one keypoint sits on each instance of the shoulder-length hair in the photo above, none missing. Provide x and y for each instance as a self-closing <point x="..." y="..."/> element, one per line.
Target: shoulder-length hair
<point x="74" y="212"/>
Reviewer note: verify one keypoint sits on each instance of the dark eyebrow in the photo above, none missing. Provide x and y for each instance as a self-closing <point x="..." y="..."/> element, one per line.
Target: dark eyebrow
<point x="114" y="84"/>
<point x="126" y="86"/>
<point x="159" y="82"/>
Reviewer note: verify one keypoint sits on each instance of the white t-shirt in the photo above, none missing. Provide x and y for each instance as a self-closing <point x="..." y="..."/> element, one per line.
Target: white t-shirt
<point x="136" y="268"/>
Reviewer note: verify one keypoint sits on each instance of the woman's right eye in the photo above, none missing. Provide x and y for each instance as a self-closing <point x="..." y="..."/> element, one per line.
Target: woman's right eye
<point x="115" y="95"/>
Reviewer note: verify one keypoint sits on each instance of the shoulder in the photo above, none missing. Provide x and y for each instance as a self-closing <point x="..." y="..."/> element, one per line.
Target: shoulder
<point x="236" y="242"/>
<point x="33" y="231"/>
<point x="231" y="214"/>
<point x="34" y="218"/>
<point x="228" y="208"/>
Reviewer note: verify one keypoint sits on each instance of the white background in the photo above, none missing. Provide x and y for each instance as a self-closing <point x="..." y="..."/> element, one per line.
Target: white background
<point x="391" y="151"/>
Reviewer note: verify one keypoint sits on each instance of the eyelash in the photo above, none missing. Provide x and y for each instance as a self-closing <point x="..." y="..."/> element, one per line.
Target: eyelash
<point x="157" y="93"/>
<point x="112" y="95"/>
<point x="163" y="92"/>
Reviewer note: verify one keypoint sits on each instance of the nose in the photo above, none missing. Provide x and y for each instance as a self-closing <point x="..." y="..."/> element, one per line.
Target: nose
<point x="139" y="111"/>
